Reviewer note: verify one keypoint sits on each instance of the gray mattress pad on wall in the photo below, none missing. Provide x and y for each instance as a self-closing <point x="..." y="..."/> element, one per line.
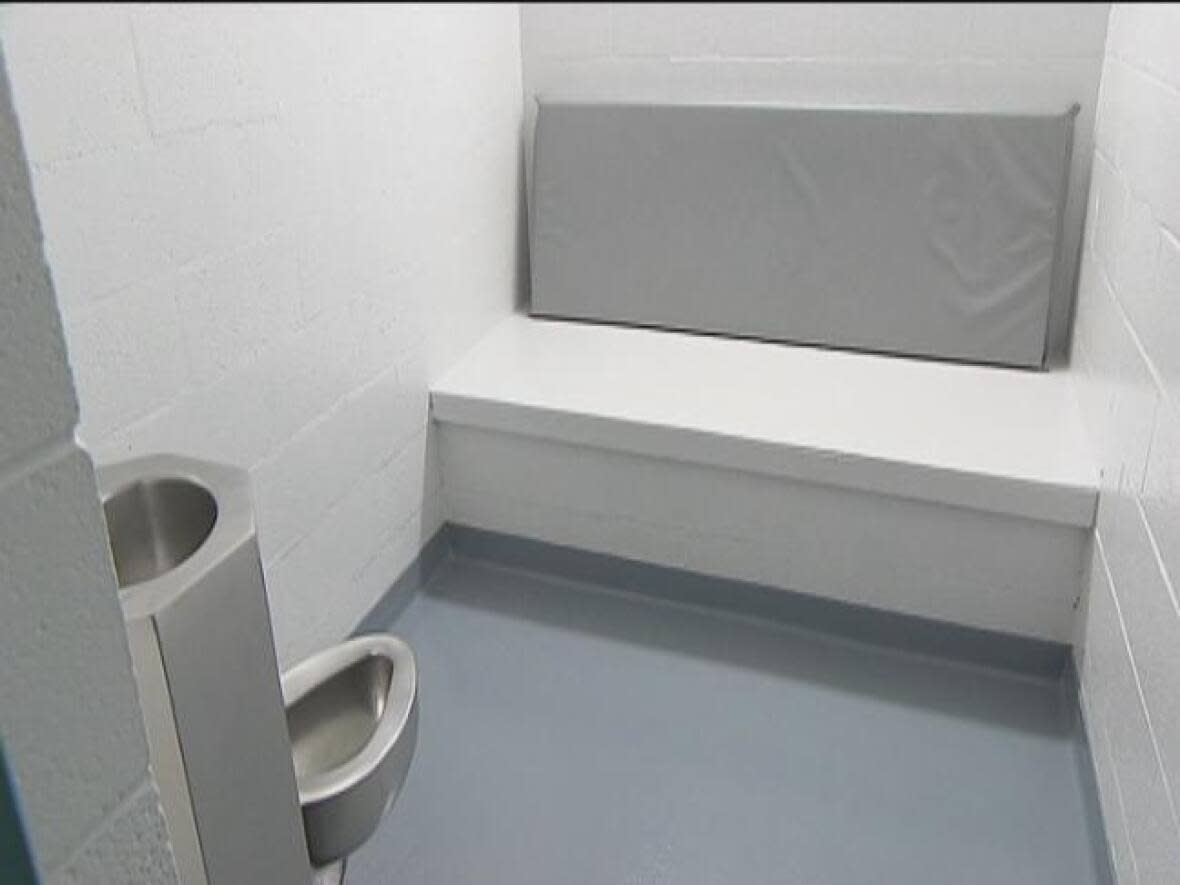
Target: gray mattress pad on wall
<point x="930" y="234"/>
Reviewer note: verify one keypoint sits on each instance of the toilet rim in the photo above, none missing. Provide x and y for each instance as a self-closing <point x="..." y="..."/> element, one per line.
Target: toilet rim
<point x="399" y="706"/>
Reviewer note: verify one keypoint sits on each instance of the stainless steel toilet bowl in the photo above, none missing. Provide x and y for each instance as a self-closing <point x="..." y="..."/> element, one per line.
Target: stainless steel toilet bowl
<point x="352" y="716"/>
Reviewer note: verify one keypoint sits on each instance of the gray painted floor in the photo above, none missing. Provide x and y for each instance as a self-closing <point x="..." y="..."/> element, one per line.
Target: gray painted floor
<point x="574" y="735"/>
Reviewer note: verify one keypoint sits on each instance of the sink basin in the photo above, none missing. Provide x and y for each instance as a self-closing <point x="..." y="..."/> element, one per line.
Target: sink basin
<point x="156" y="524"/>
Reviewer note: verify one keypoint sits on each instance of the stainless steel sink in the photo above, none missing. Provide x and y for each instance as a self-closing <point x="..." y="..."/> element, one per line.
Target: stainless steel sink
<point x="156" y="524"/>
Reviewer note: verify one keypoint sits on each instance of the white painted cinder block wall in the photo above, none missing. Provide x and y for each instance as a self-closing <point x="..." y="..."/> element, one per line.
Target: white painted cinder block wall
<point x="973" y="56"/>
<point x="1127" y="358"/>
<point x="69" y="715"/>
<point x="268" y="228"/>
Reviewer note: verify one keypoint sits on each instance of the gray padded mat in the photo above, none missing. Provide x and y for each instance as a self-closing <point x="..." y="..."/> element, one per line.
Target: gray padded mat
<point x="930" y="234"/>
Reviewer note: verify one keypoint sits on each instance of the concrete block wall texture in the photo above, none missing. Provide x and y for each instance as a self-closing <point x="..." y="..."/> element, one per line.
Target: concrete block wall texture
<point x="269" y="227"/>
<point x="69" y="714"/>
<point x="976" y="56"/>
<point x="1128" y="370"/>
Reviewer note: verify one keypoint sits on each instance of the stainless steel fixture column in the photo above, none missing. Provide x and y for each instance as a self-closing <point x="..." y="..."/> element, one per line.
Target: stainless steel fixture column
<point x="186" y="551"/>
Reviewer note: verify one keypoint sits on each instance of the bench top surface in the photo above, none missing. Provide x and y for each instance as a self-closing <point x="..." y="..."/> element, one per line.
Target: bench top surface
<point x="1003" y="440"/>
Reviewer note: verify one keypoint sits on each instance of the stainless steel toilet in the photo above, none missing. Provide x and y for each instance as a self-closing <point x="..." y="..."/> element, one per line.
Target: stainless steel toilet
<point x="352" y="715"/>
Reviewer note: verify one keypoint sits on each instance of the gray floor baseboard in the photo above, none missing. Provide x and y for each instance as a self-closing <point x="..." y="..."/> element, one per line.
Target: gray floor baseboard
<point x="1021" y="655"/>
<point x="433" y="553"/>
<point x="1030" y="657"/>
<point x="1071" y="693"/>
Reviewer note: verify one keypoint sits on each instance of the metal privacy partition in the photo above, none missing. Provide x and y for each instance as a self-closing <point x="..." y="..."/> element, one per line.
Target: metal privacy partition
<point x="930" y="234"/>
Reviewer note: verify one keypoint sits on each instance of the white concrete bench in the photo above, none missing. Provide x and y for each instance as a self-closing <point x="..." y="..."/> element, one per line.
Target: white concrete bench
<point x="956" y="492"/>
